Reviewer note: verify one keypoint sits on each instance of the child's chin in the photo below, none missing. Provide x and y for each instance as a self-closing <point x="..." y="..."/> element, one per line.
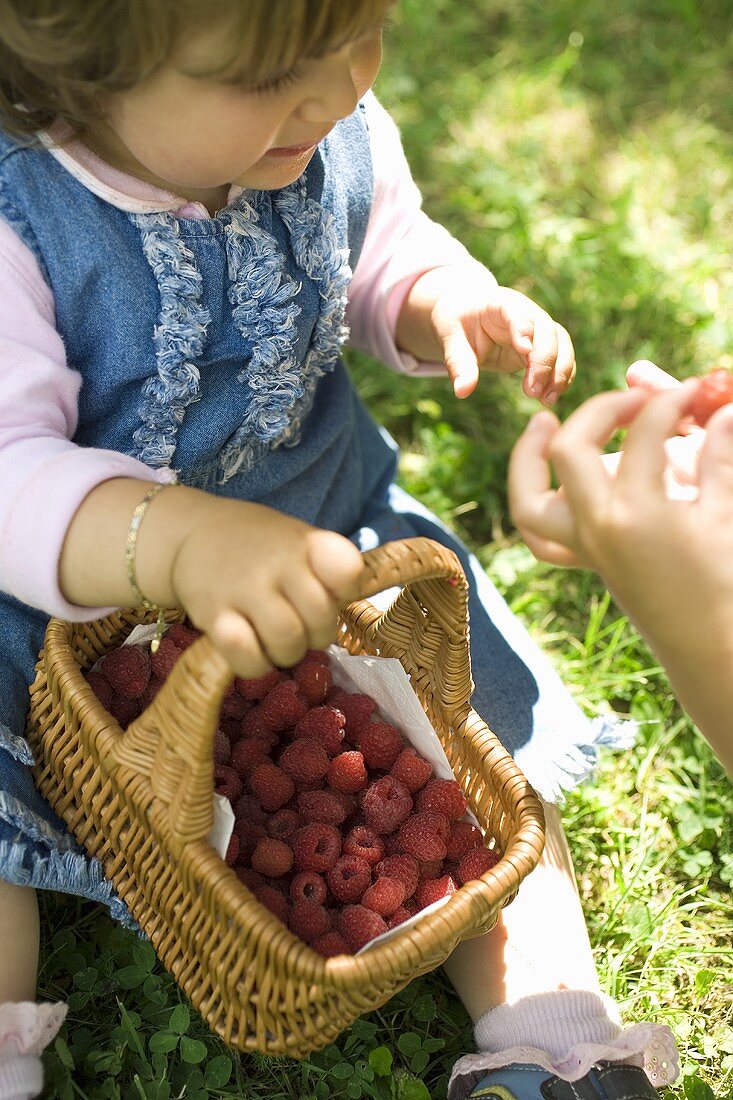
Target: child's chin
<point x="270" y="173"/>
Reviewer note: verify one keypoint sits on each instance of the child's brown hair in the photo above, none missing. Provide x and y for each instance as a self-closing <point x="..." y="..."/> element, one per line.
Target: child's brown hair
<point x="59" y="58"/>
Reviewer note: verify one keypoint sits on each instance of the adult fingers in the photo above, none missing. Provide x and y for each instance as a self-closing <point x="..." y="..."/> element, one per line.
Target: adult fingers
<point x="715" y="469"/>
<point x="648" y="374"/>
<point x="575" y="451"/>
<point x="644" y="458"/>
<point x="543" y="356"/>
<point x="537" y="510"/>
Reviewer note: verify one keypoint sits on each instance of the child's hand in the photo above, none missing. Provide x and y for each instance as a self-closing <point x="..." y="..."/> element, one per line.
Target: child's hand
<point x="264" y="586"/>
<point x="503" y="331"/>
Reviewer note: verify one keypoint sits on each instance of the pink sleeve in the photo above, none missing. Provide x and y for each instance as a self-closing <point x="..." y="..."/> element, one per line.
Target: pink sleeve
<point x="44" y="476"/>
<point x="401" y="244"/>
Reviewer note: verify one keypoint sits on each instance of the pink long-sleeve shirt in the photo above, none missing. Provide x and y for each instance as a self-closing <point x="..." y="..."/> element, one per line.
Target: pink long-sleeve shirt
<point x="44" y="475"/>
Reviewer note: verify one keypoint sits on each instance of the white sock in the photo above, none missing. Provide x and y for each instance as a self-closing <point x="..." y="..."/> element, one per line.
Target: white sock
<point x="554" y="1022"/>
<point x="21" y="1076"/>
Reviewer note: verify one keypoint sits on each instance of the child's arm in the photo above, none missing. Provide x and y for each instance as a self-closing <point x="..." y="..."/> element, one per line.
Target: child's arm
<point x="669" y="563"/>
<point x="421" y="304"/>
<point x="265" y="586"/>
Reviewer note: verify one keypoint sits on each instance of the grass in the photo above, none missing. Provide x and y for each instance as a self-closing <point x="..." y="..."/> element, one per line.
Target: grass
<point x="582" y="150"/>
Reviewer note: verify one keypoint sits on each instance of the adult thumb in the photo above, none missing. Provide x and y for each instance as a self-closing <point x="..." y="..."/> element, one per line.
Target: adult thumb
<point x="715" y="468"/>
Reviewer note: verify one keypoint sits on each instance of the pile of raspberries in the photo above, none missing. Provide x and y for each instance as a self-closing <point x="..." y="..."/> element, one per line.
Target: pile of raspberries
<point x="341" y="831"/>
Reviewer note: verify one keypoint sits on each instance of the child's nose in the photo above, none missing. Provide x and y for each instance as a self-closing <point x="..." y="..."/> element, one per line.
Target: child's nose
<point x="336" y="96"/>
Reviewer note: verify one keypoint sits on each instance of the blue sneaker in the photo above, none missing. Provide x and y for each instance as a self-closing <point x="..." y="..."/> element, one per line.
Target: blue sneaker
<point x="606" y="1081"/>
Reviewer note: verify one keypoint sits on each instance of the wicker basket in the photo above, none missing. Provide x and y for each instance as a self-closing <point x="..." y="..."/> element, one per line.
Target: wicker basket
<point x="141" y="801"/>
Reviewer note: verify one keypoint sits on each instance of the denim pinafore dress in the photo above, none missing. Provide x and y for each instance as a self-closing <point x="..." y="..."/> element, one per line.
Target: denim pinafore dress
<point x="212" y="348"/>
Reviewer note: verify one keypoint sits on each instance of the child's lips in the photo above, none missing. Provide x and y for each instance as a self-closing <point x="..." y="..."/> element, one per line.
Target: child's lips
<point x="295" y="150"/>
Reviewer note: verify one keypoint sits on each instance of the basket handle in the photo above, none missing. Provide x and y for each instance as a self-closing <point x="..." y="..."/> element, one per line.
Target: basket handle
<point x="171" y="743"/>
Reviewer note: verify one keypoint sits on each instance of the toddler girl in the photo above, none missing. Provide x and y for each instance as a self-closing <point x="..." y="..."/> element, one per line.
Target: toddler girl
<point x="198" y="200"/>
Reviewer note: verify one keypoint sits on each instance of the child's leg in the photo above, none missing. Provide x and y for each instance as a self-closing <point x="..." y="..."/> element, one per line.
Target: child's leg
<point x="25" y="1027"/>
<point x="19" y="928"/>
<point x="540" y="942"/>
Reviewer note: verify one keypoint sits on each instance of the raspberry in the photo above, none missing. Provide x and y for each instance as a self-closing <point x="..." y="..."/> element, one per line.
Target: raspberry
<point x="229" y="726"/>
<point x="283" y="706"/>
<point x="386" y="895"/>
<point x="318" y="655"/>
<point x="273" y="900"/>
<point x="404" y="868"/>
<point x="232" y="852"/>
<point x="222" y="749"/>
<point x="154" y="686"/>
<point x="272" y="857"/>
<point x="249" y="754"/>
<point x="399" y="916"/>
<point x="249" y="834"/>
<point x="323" y="806"/>
<point x="476" y="863"/>
<point x="308" y="920"/>
<point x="392" y="845"/>
<point x="325" y="725"/>
<point x="316" y="847"/>
<point x="257" y="689"/>
<point x="432" y="889"/>
<point x="234" y="706"/>
<point x="248" y="808"/>
<point x="347" y="772"/>
<point x="101" y="688"/>
<point x="127" y="670"/>
<point x="442" y="796"/>
<point x="181" y="635"/>
<point x="359" y="925"/>
<point x="272" y="786"/>
<point x="387" y="803"/>
<point x="227" y="782"/>
<point x="349" y="878"/>
<point x="380" y="744"/>
<point x="251" y="879"/>
<point x="314" y="680"/>
<point x="357" y="709"/>
<point x="306" y="762"/>
<point x="252" y="726"/>
<point x="429" y="868"/>
<point x="365" y="843"/>
<point x="283" y="825"/>
<point x="308" y="886"/>
<point x="330" y="945"/>
<point x="163" y="660"/>
<point x="412" y="770"/>
<point x="420" y="836"/>
<point x="464" y="837"/>
<point x="714" y="391"/>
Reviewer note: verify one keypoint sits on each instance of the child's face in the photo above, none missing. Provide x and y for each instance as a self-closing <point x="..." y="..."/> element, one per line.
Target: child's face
<point x="194" y="134"/>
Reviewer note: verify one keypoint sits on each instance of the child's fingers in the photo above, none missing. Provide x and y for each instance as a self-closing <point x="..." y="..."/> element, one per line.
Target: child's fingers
<point x="281" y="631"/>
<point x="460" y="361"/>
<point x="537" y="510"/>
<point x="235" y="638"/>
<point x="565" y="368"/>
<point x="543" y="356"/>
<point x="575" y="451"/>
<point x="715" y="469"/>
<point x="645" y="455"/>
<point x="315" y="605"/>
<point x="337" y="564"/>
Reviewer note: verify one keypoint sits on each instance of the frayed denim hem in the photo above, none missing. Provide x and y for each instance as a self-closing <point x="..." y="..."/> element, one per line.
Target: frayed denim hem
<point x="554" y="777"/>
<point x="16" y="746"/>
<point x="68" y="872"/>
